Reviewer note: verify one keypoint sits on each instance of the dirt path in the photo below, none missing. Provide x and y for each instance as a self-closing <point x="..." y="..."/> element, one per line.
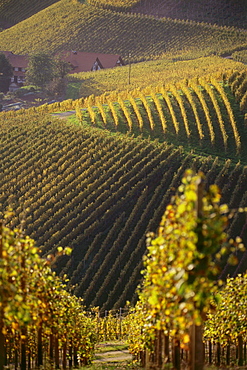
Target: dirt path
<point x="112" y="353"/>
<point x="113" y="356"/>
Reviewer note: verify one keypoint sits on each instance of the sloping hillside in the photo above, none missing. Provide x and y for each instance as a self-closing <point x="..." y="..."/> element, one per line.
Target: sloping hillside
<point x="70" y="25"/>
<point x="164" y="70"/>
<point x="118" y="5"/>
<point x="14" y="11"/>
<point x="100" y="192"/>
<point x="221" y="12"/>
<point x="200" y="114"/>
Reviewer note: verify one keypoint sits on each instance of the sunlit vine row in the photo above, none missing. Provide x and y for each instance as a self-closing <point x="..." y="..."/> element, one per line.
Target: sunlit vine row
<point x="197" y="99"/>
<point x="230" y="113"/>
<point x="119" y="5"/>
<point x="238" y="84"/>
<point x="36" y="308"/>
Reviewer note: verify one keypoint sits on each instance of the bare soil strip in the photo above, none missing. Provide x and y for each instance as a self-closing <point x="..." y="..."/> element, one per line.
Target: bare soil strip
<point x="112" y="353"/>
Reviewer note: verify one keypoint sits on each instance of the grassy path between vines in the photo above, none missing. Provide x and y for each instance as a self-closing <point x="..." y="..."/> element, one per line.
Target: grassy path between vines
<point x="112" y="355"/>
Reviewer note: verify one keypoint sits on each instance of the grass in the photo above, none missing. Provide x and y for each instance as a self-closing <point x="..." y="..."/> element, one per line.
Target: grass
<point x="109" y="355"/>
<point x="73" y="90"/>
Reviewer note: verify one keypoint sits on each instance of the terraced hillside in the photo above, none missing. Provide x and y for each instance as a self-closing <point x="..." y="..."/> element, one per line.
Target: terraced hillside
<point x="69" y="25"/>
<point x="100" y="192"/>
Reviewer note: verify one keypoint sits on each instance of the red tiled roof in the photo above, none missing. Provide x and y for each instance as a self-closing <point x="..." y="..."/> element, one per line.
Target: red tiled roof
<point x="109" y="60"/>
<point x="83" y="62"/>
<point x="20" y="61"/>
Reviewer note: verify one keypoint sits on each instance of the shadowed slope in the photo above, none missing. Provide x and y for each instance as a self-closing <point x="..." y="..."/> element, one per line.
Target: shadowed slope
<point x="221" y="12"/>
<point x="15" y="11"/>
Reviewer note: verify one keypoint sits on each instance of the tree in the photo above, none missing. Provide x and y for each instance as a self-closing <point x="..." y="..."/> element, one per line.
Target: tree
<point x="62" y="67"/>
<point x="41" y="69"/>
<point x="47" y="72"/>
<point x="56" y="87"/>
<point x="6" y="72"/>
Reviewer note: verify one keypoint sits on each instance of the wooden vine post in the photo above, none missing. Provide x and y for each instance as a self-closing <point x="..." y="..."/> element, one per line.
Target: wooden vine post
<point x="240" y="351"/>
<point x="176" y="354"/>
<point x="197" y="349"/>
<point x="56" y="352"/>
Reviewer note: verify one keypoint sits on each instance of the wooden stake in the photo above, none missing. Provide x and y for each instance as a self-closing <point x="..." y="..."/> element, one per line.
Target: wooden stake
<point x="240" y="351"/>
<point x="176" y="354"/>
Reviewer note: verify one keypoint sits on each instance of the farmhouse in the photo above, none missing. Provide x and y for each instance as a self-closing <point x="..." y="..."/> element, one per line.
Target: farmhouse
<point x="19" y="64"/>
<point x="79" y="61"/>
<point x="85" y="62"/>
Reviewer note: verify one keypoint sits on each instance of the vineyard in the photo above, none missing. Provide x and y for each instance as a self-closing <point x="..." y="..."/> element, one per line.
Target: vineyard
<point x="36" y="310"/>
<point x="79" y="26"/>
<point x="200" y="111"/>
<point x="119" y="5"/>
<point x="167" y="69"/>
<point x="127" y="220"/>
<point x="181" y="305"/>
<point x="43" y="325"/>
<point x="240" y="56"/>
<point x="214" y="12"/>
<point x="100" y="192"/>
<point x="17" y="10"/>
<point x="223" y="13"/>
<point x="89" y="195"/>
